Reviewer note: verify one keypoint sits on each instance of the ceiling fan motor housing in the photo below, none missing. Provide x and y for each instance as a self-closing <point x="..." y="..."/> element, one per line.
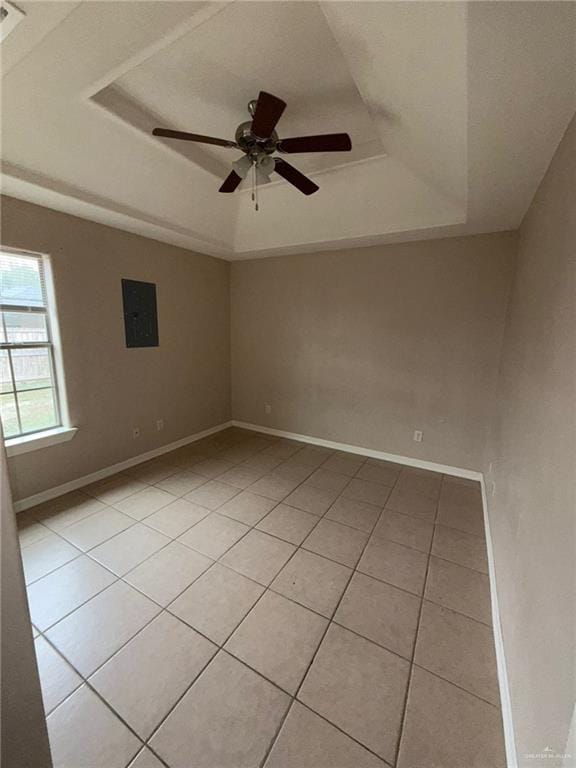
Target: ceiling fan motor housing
<point x="252" y="144"/>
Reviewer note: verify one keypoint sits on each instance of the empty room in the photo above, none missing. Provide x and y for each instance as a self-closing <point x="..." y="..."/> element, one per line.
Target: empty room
<point x="288" y="383"/>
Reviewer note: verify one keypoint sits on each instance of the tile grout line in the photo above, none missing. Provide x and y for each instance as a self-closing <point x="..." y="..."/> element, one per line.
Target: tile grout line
<point x="220" y="647"/>
<point x="86" y="682"/>
<point x="218" y="510"/>
<point x="415" y="643"/>
<point x="142" y="521"/>
<point x="298" y="546"/>
<point x="162" y="609"/>
<point x="342" y="731"/>
<point x="90" y="686"/>
<point x="86" y="552"/>
<point x="111" y="506"/>
<point x="252" y="527"/>
<point x="266" y="589"/>
<point x="269" y="588"/>
<point x="329" y="623"/>
<point x="460" y="687"/>
<point x="212" y="479"/>
<point x="420" y="597"/>
<point x="303" y="481"/>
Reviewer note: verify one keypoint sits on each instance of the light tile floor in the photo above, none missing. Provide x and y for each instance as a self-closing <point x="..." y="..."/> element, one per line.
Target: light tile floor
<point x="249" y="601"/>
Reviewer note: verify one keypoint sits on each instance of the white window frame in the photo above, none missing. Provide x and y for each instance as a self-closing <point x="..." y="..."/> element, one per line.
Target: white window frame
<point x="62" y="431"/>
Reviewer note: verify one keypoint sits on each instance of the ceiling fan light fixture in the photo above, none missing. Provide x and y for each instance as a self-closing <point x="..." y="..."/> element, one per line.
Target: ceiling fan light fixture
<point x="242" y="166"/>
<point x="262" y="178"/>
<point x="265" y="165"/>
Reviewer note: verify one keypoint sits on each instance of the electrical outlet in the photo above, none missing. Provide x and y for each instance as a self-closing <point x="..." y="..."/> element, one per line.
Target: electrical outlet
<point x="268" y="409"/>
<point x="160" y="425"/>
<point x="418" y="435"/>
<point x="136" y="432"/>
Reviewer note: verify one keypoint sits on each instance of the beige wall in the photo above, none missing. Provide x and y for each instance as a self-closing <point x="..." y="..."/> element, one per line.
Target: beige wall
<point x="533" y="453"/>
<point x="111" y="388"/>
<point x="365" y="346"/>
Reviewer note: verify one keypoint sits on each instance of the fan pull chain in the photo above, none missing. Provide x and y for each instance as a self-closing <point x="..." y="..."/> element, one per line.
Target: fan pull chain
<point x="255" y="188"/>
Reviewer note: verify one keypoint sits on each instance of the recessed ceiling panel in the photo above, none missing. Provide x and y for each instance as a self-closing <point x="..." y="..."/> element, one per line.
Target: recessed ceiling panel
<point x="454" y="110"/>
<point x="203" y="81"/>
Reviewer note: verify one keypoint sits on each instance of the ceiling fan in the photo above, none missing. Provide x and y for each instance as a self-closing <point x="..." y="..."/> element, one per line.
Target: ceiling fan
<point x="258" y="139"/>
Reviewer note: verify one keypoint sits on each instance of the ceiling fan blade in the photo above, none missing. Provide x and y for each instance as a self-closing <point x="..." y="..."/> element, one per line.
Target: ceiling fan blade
<point x="267" y="113"/>
<point x="170" y="134"/>
<point x="231" y="182"/>
<point x="297" y="179"/>
<point x="327" y="142"/>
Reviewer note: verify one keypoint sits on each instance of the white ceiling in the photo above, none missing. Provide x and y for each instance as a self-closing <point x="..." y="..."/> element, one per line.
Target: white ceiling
<point x="454" y="109"/>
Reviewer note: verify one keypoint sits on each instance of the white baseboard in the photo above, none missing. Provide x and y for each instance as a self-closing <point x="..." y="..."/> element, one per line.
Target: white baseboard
<point x="470" y="474"/>
<point x="505" y="700"/>
<point x="80" y="482"/>
<point x="60" y="490"/>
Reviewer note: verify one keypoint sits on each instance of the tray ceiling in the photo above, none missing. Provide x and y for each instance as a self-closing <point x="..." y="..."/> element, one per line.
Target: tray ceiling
<point x="204" y="80"/>
<point x="449" y="106"/>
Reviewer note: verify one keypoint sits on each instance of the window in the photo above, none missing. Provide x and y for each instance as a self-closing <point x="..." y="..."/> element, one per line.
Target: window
<point x="28" y="388"/>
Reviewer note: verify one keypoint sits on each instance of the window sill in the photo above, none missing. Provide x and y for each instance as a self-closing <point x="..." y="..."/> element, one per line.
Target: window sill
<point x="17" y="445"/>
